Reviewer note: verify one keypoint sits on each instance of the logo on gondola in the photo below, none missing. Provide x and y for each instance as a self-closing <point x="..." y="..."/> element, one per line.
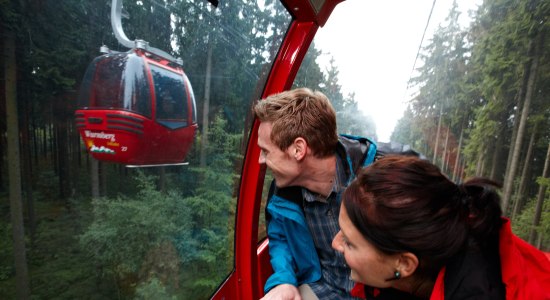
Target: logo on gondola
<point x="100" y="135"/>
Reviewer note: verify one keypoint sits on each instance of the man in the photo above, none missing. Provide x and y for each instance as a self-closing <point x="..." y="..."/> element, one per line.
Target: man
<point x="166" y="106"/>
<point x="311" y="166"/>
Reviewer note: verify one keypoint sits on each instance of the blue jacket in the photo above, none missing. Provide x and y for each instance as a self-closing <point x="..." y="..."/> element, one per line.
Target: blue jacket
<point x="291" y="247"/>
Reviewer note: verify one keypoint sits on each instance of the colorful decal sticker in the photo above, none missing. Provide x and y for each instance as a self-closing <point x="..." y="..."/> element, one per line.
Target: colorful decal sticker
<point x="101" y="149"/>
<point x="113" y="144"/>
<point x="90" y="136"/>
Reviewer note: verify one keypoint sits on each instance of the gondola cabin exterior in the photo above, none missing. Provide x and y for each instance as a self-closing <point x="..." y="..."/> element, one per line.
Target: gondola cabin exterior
<point x="134" y="104"/>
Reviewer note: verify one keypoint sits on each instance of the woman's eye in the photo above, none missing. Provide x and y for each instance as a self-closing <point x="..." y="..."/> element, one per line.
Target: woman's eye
<point x="348" y="244"/>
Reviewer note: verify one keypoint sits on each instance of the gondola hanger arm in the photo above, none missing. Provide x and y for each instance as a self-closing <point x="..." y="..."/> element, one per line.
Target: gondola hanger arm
<point x="116" y="23"/>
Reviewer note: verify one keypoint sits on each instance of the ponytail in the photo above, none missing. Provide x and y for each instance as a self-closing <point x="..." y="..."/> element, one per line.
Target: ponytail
<point x="482" y="204"/>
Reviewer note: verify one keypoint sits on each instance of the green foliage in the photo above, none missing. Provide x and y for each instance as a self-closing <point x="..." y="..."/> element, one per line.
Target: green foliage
<point x="58" y="268"/>
<point x="46" y="186"/>
<point x="484" y="128"/>
<point x="523" y="223"/>
<point x="206" y="249"/>
<point x="406" y="130"/>
<point x="161" y="243"/>
<point x="474" y="80"/>
<point x="9" y="14"/>
<point x="125" y="230"/>
<point x="6" y="252"/>
<point x="153" y="290"/>
<point x="310" y="74"/>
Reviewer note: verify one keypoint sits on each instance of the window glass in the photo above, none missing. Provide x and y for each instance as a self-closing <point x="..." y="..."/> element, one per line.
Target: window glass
<point x="262" y="230"/>
<point x="116" y="81"/>
<point x="135" y="86"/>
<point x="170" y="94"/>
<point x="100" y="230"/>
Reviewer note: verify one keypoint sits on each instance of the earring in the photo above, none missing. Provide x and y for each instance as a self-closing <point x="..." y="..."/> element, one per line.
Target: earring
<point x="397" y="275"/>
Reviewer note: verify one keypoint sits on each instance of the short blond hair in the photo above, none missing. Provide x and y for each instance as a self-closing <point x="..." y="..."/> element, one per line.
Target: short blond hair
<point x="300" y="113"/>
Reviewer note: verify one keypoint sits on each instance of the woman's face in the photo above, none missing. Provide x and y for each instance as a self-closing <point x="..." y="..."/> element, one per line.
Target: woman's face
<point x="368" y="265"/>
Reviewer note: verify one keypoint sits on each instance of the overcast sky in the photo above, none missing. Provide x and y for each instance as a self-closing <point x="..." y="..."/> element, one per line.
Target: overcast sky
<point x="374" y="44"/>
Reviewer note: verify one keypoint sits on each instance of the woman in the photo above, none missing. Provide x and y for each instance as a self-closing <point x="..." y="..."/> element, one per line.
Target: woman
<point x="408" y="232"/>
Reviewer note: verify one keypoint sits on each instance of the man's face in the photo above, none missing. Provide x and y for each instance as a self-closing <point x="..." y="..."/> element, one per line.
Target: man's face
<point x="283" y="165"/>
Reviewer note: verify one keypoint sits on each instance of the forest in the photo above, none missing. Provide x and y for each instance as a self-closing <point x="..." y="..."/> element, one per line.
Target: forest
<point x="76" y="228"/>
<point x="483" y="107"/>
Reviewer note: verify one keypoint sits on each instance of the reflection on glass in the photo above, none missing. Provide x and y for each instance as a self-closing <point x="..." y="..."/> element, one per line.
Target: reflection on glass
<point x="100" y="230"/>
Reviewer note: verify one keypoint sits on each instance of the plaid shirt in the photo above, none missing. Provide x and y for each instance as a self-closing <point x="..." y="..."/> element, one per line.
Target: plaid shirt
<point x="322" y="218"/>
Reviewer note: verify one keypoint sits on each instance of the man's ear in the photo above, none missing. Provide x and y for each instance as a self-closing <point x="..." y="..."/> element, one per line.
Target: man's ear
<point x="408" y="263"/>
<point x="300" y="148"/>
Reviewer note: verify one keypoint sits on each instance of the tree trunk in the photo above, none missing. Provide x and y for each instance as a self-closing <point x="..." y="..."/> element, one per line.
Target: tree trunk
<point x="520" y="197"/>
<point x="496" y="155"/>
<point x="27" y="170"/>
<point x="540" y="199"/>
<point x="206" y="106"/>
<point x="462" y="171"/>
<point x="1" y="160"/>
<point x="44" y="141"/>
<point x="62" y="114"/>
<point x="508" y="184"/>
<point x="35" y="140"/>
<point x="14" y="169"/>
<point x="436" y="146"/>
<point x="445" y="154"/>
<point x="62" y="158"/>
<point x="53" y="147"/>
<point x="484" y="162"/>
<point x="520" y="97"/>
<point x="481" y="161"/>
<point x="103" y="179"/>
<point x="94" y="174"/>
<point x="2" y="151"/>
<point x="458" y="152"/>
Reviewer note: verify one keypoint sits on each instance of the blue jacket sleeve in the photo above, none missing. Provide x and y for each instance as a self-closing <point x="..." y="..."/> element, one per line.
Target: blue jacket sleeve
<point x="291" y="248"/>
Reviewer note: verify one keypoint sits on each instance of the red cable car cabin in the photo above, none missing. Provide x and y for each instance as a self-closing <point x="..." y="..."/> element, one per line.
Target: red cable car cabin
<point x="134" y="104"/>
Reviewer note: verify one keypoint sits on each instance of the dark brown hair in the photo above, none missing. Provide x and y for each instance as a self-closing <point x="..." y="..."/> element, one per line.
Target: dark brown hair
<point x="405" y="204"/>
<point x="300" y="113"/>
